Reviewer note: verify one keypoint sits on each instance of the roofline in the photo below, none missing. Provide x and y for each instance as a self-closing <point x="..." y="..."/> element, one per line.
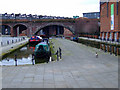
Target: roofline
<point x="106" y="1"/>
<point x="92" y="12"/>
<point x="102" y="3"/>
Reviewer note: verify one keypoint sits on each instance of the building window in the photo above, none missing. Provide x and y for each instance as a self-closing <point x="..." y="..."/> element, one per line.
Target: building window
<point x="117" y="7"/>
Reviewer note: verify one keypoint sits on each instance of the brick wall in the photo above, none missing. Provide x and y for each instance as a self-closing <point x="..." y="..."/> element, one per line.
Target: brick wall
<point x="67" y="33"/>
<point x="105" y="21"/>
<point x="119" y="15"/>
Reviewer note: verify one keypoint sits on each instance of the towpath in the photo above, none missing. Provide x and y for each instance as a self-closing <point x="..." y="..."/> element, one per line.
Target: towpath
<point x="79" y="68"/>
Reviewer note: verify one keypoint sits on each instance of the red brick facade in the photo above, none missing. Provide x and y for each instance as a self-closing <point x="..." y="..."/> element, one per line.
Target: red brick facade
<point x="67" y="33"/>
<point x="105" y="21"/>
<point x="119" y="16"/>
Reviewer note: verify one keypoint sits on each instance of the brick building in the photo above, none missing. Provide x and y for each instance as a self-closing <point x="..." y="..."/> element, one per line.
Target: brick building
<point x="110" y="21"/>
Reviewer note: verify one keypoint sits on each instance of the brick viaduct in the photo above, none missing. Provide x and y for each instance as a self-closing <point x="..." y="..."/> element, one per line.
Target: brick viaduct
<point x="76" y="26"/>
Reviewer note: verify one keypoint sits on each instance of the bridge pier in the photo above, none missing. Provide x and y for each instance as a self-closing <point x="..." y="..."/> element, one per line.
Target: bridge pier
<point x="12" y="32"/>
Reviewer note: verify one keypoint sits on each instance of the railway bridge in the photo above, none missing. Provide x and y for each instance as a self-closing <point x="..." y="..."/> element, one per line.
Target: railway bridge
<point x="16" y="27"/>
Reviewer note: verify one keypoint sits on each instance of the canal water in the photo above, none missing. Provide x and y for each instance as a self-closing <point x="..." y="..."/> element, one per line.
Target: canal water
<point x="112" y="49"/>
<point x="24" y="54"/>
<point x="24" y="57"/>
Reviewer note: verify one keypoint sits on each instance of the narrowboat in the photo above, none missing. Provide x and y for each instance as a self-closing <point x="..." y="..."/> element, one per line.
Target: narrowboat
<point x="35" y="39"/>
<point x="42" y="50"/>
<point x="75" y="39"/>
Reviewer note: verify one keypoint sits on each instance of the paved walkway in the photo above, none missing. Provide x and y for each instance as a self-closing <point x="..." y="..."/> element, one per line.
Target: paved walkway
<point x="98" y="40"/>
<point x="78" y="69"/>
<point x="7" y="48"/>
<point x="5" y="40"/>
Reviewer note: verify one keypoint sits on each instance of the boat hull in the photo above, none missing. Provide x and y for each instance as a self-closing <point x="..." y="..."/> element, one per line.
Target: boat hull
<point x="41" y="54"/>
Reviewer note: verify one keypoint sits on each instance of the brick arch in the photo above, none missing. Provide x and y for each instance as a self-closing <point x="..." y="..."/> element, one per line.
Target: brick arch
<point x="6" y="25"/>
<point x="20" y="24"/>
<point x="69" y="27"/>
<point x="15" y="27"/>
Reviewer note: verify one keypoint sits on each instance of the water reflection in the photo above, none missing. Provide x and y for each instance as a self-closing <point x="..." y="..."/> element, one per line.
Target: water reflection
<point x="110" y="48"/>
<point x="22" y="61"/>
<point x="24" y="57"/>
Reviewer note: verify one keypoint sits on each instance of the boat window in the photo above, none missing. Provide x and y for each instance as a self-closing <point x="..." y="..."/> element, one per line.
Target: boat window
<point x="45" y="47"/>
<point x="40" y="47"/>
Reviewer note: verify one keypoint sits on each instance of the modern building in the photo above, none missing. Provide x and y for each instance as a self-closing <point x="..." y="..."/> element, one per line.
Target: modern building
<point x="110" y="21"/>
<point x="92" y="15"/>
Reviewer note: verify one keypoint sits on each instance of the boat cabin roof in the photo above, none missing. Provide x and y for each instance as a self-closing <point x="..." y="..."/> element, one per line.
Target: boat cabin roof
<point x="42" y="43"/>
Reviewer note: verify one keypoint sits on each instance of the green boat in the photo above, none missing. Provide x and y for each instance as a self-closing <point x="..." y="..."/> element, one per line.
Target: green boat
<point x="42" y="50"/>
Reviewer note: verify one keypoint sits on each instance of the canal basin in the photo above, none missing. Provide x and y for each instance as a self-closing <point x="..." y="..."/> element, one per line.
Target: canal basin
<point x="24" y="57"/>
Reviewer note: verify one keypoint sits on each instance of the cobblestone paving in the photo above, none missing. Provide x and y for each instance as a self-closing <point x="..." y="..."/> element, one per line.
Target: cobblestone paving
<point x="79" y="68"/>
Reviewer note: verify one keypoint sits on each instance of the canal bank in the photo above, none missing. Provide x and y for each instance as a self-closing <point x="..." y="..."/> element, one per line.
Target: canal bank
<point x="79" y="68"/>
<point x="99" y="41"/>
<point x="107" y="46"/>
<point x="5" y="50"/>
<point x="24" y="56"/>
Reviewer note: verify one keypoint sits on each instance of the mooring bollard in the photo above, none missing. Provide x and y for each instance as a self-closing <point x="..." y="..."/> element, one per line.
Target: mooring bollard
<point x="12" y="41"/>
<point x="60" y="52"/>
<point x="8" y="42"/>
<point x="32" y="59"/>
<point x="1" y="43"/>
<point x="15" y="60"/>
<point x="57" y="55"/>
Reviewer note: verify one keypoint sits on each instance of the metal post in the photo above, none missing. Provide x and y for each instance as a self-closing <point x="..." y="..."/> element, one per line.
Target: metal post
<point x="15" y="60"/>
<point x="1" y="43"/>
<point x="12" y="41"/>
<point x="32" y="59"/>
<point x="7" y="42"/>
<point x="60" y="52"/>
<point x="57" y="55"/>
<point x="50" y="54"/>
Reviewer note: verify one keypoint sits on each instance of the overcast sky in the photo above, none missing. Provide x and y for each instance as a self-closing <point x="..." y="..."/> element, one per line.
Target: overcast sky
<point x="67" y="8"/>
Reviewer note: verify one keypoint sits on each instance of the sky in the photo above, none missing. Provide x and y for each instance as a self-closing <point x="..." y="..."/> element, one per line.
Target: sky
<point x="66" y="8"/>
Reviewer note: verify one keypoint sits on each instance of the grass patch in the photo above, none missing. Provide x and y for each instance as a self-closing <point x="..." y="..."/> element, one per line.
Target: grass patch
<point x="53" y="55"/>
